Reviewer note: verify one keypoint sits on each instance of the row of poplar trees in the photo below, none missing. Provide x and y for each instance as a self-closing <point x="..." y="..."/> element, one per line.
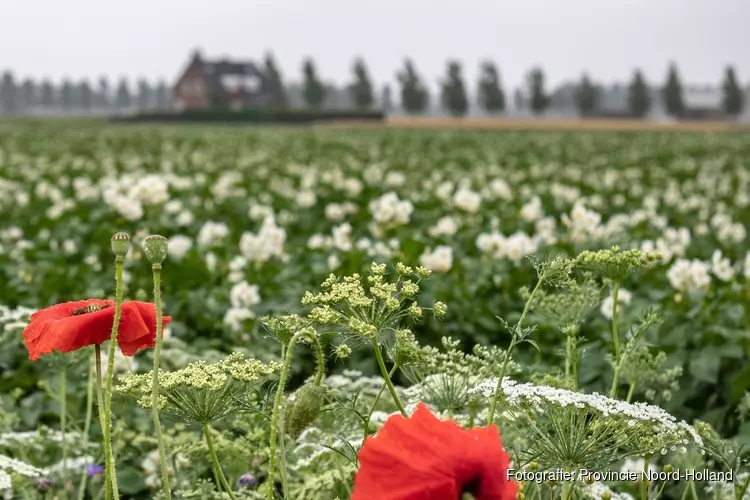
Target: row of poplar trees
<point x="415" y="96"/>
<point x="19" y="97"/>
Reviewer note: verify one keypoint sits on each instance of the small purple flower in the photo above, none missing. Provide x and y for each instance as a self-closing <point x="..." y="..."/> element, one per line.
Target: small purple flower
<point x="246" y="480"/>
<point x="42" y="483"/>
<point x="94" y="470"/>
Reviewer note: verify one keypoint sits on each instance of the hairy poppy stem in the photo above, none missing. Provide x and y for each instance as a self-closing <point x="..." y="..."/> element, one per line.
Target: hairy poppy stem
<point x="100" y="402"/>
<point x="280" y="393"/>
<point x="155" y="383"/>
<point x="87" y="426"/>
<point x="110" y="375"/>
<point x="215" y="462"/>
<point x="63" y="415"/>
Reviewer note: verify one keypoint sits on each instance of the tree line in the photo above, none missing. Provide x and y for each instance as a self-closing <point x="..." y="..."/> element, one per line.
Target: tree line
<point x="414" y="95"/>
<point x="68" y="96"/>
<point x="491" y="96"/>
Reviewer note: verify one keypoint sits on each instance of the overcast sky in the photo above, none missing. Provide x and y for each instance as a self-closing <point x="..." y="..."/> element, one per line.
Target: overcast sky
<point x="153" y="38"/>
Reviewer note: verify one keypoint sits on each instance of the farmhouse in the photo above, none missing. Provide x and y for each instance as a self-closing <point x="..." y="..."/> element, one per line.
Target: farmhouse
<point x="221" y="83"/>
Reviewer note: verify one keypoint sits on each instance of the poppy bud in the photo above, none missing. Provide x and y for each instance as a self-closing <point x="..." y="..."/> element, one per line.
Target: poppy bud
<point x="302" y="411"/>
<point x="120" y="244"/>
<point x="155" y="248"/>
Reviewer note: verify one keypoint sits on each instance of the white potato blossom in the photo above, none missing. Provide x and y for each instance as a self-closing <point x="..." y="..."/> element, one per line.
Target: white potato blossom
<point x="236" y="316"/>
<point x="635" y="466"/>
<point x="342" y="237"/>
<point x="333" y="262"/>
<point x="689" y="276"/>
<point x="395" y="179"/>
<point x="122" y="363"/>
<point x="389" y="210"/>
<point x="532" y="210"/>
<point x="212" y="233"/>
<point x="305" y="199"/>
<point x="244" y="294"/>
<point x="583" y="224"/>
<point x="467" y="200"/>
<point x="440" y="259"/>
<point x="445" y="226"/>
<point x="266" y="244"/>
<point x="623" y="299"/>
<point x="150" y="189"/>
<point x="598" y="491"/>
<point x="179" y="245"/>
<point x="721" y="266"/>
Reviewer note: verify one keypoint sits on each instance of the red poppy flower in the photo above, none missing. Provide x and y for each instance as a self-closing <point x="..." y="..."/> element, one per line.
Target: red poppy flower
<point x="424" y="458"/>
<point x="71" y="325"/>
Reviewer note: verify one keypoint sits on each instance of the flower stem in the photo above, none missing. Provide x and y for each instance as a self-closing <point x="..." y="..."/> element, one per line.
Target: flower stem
<point x="100" y="403"/>
<point x="616" y="340"/>
<point x="163" y="465"/>
<point x="110" y="375"/>
<point x="280" y="393"/>
<point x="644" y="480"/>
<point x="86" y="427"/>
<point x="215" y="461"/>
<point x="387" y="378"/>
<point x="377" y="398"/>
<point x="63" y="416"/>
<point x="631" y="391"/>
<point x="513" y="340"/>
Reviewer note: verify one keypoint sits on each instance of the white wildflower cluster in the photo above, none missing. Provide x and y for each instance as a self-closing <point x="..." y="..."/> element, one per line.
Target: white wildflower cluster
<point x="514" y="247"/>
<point x="689" y="276"/>
<point x="672" y="243"/>
<point x="150" y="467"/>
<point x="313" y="445"/>
<point x="727" y="231"/>
<point x="178" y="246"/>
<point x="70" y="464"/>
<point x="725" y="490"/>
<point x="623" y="299"/>
<point x="6" y="482"/>
<point x="467" y="200"/>
<point x="583" y="224"/>
<point x="598" y="491"/>
<point x="540" y="396"/>
<point x="9" y="464"/>
<point x="440" y="259"/>
<point x="532" y="210"/>
<point x="14" y="320"/>
<point x="243" y="296"/>
<point x="266" y="244"/>
<point x="721" y="267"/>
<point x="337" y="212"/>
<point x="445" y="226"/>
<point x="212" y="234"/>
<point x="390" y="211"/>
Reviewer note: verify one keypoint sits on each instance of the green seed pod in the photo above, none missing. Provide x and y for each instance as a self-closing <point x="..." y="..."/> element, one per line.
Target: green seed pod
<point x="301" y="412"/>
<point x="120" y="244"/>
<point x="155" y="248"/>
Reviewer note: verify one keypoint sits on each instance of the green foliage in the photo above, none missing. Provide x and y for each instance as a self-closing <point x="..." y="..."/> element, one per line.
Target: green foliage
<point x="313" y="90"/>
<point x="8" y="93"/>
<point x="414" y="94"/>
<point x="275" y="82"/>
<point x="732" y="95"/>
<point x="490" y="92"/>
<point x="586" y="97"/>
<point x="453" y="95"/>
<point x="639" y="97"/>
<point x="672" y="92"/>
<point x="539" y="100"/>
<point x="361" y="88"/>
<point x="122" y="98"/>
